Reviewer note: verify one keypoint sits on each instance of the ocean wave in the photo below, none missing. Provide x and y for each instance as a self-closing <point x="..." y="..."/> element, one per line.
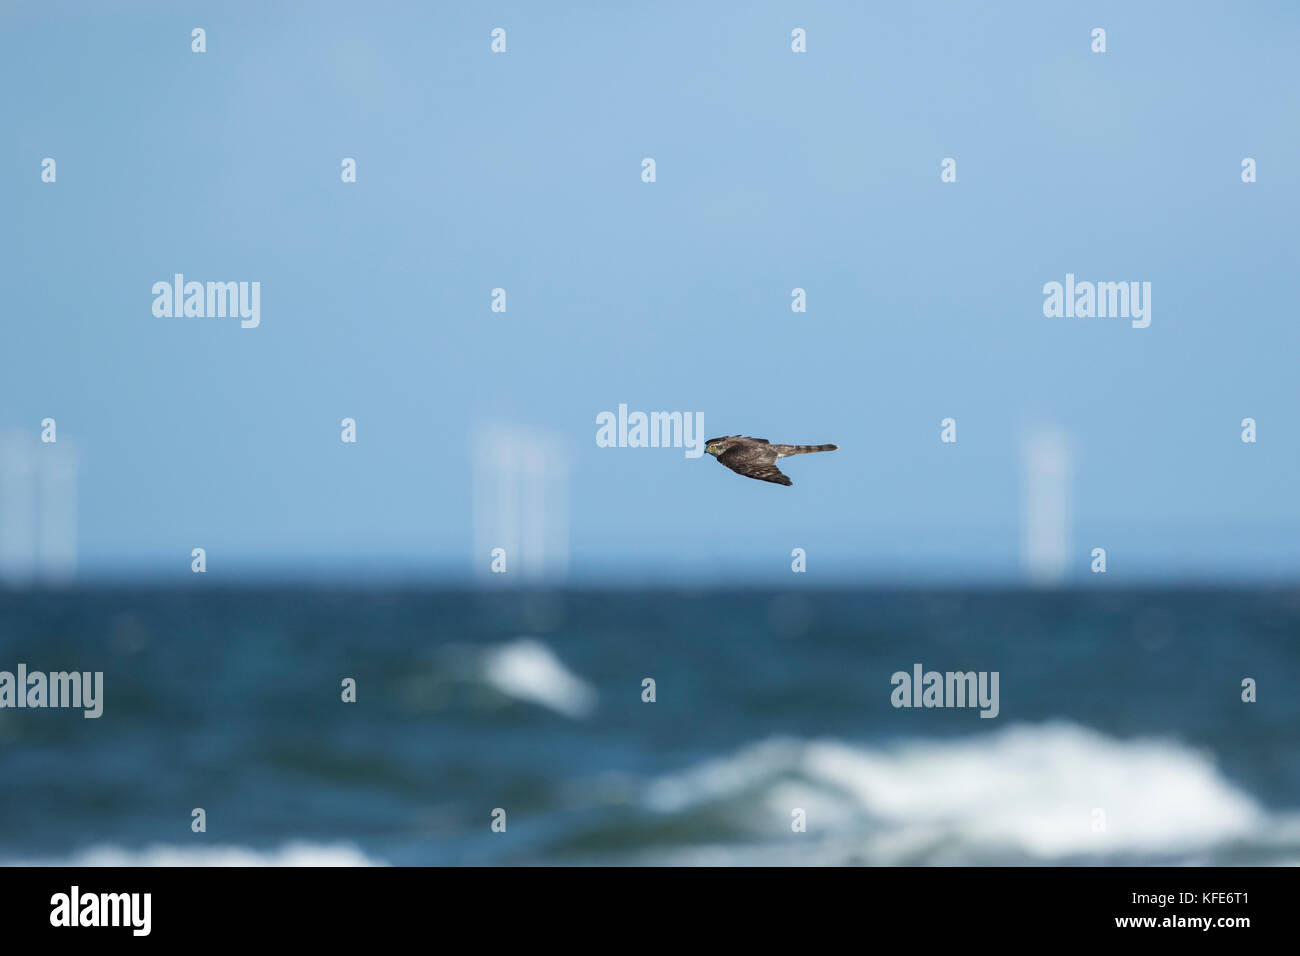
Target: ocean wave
<point x="291" y="854"/>
<point x="528" y="670"/>
<point x="1055" y="793"/>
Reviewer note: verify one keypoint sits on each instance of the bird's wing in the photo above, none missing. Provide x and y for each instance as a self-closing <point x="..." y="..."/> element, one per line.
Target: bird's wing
<point x="751" y="468"/>
<point x="761" y="441"/>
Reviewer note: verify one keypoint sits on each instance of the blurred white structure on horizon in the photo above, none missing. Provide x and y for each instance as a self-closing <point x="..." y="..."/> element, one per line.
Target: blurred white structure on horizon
<point x="1046" y="504"/>
<point x="38" y="510"/>
<point x="521" y="502"/>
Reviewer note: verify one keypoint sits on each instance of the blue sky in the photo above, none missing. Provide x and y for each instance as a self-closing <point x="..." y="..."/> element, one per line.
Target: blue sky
<point x="774" y="171"/>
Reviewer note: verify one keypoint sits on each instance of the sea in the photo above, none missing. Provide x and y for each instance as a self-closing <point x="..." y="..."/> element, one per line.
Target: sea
<point x="746" y="726"/>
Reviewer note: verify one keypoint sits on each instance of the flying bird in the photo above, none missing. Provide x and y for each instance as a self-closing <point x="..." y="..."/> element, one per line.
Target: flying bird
<point x="756" y="457"/>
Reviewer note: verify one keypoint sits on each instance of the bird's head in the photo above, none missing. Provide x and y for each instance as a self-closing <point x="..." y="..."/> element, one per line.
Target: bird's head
<point x="716" y="446"/>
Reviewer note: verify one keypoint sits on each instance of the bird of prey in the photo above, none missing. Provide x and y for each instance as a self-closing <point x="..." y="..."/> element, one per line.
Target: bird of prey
<point x="756" y="457"/>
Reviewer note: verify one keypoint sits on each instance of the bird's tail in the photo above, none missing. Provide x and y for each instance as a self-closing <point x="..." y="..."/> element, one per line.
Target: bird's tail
<point x="784" y="451"/>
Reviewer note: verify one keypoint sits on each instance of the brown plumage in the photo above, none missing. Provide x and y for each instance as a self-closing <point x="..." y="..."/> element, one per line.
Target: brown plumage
<point x="756" y="457"/>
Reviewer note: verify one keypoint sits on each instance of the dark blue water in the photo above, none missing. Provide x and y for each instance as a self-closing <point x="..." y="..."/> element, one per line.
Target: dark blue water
<point x="1121" y="734"/>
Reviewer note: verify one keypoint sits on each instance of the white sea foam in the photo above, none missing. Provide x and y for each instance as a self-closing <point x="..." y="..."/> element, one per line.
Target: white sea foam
<point x="291" y="854"/>
<point x="1022" y="794"/>
<point x="526" y="669"/>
